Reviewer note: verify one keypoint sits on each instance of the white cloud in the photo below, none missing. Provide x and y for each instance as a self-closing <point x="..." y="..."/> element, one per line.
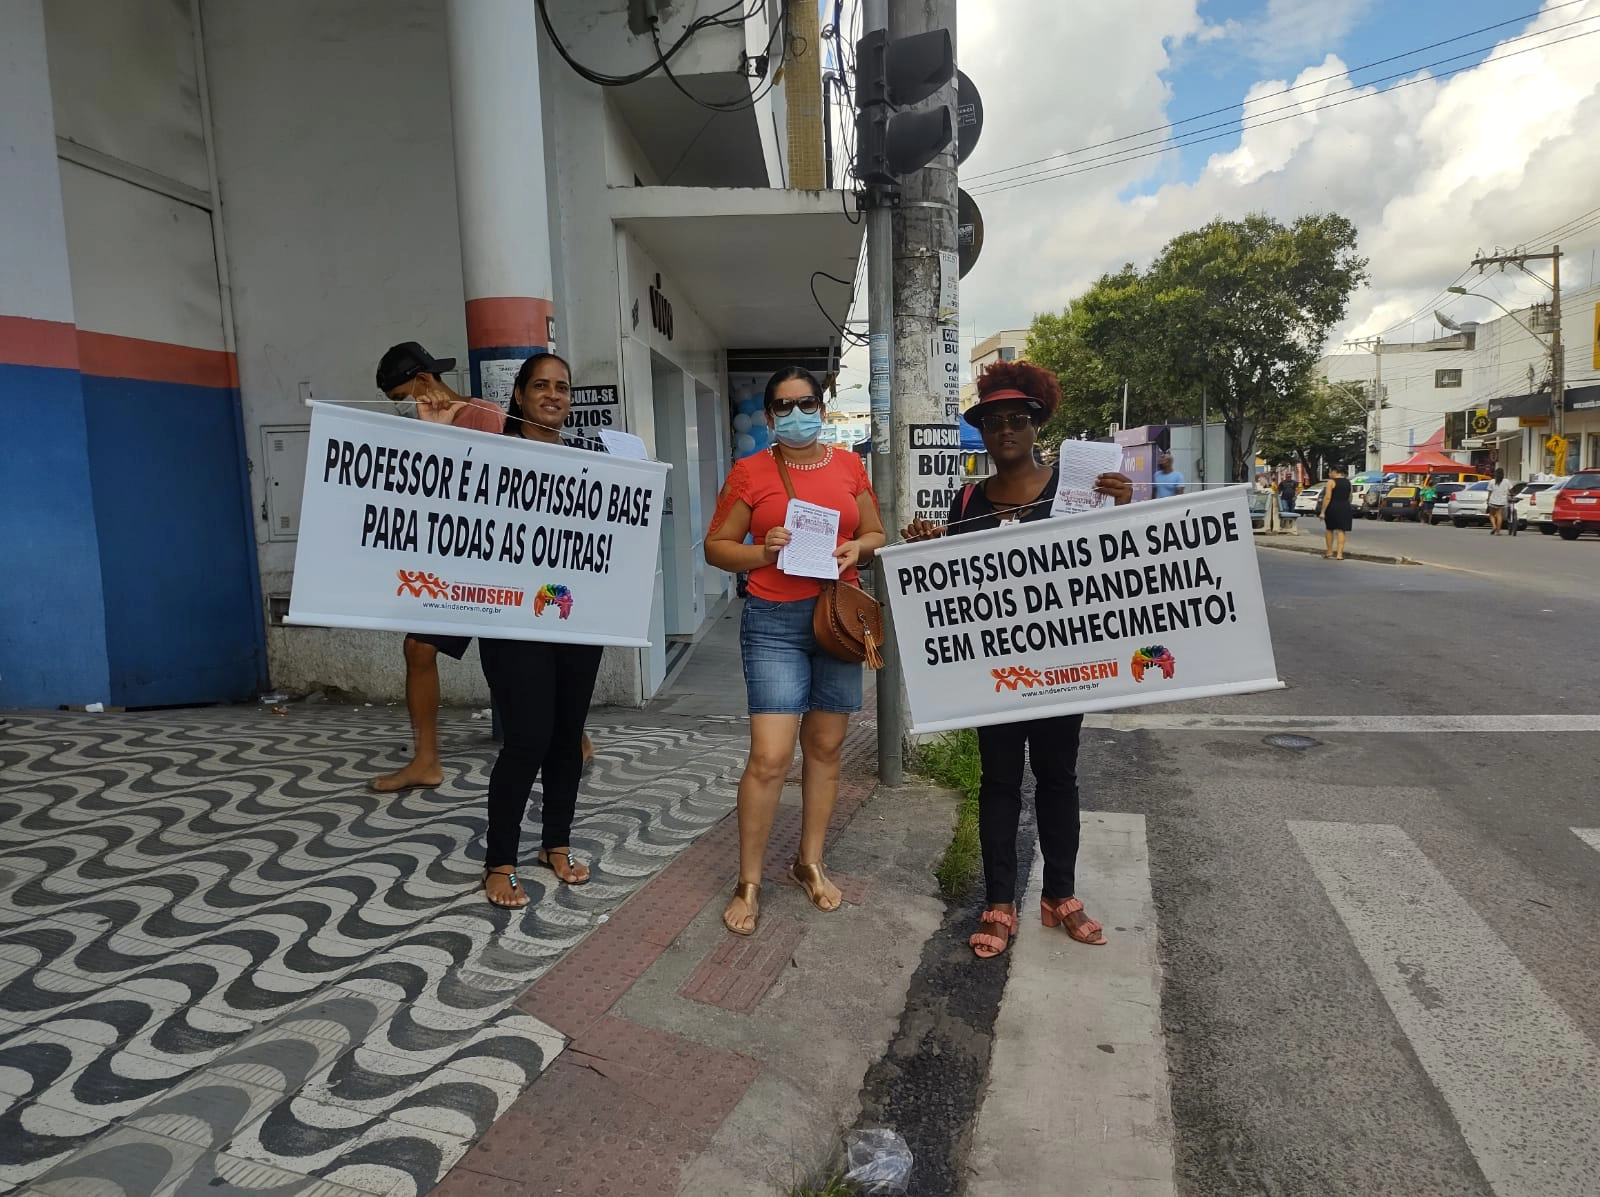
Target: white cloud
<point x="1429" y="172"/>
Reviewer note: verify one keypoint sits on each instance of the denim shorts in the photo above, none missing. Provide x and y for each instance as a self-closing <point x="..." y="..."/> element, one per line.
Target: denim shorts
<point x="785" y="673"/>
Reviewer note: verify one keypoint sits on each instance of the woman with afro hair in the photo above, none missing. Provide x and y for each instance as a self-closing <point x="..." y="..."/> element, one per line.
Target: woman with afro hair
<point x="1014" y="399"/>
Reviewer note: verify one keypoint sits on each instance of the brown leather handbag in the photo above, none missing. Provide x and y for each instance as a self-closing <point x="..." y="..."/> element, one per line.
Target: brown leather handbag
<point x="848" y="622"/>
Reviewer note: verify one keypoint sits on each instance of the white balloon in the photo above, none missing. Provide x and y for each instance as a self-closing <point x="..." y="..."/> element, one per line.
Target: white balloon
<point x="741" y="423"/>
<point x="745" y="445"/>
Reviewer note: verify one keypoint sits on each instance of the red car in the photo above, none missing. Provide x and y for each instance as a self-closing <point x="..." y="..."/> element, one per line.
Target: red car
<point x="1577" y="508"/>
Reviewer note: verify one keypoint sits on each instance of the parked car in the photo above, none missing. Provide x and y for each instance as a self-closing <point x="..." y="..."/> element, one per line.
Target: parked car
<point x="1401" y="502"/>
<point x="1308" y="500"/>
<point x="1577" y="508"/>
<point x="1363" y="482"/>
<point x="1432" y="513"/>
<point x="1522" y="500"/>
<point x="1542" y="506"/>
<point x="1470" y="505"/>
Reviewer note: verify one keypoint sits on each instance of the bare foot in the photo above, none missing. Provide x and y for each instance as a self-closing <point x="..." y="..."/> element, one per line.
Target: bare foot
<point x="824" y="894"/>
<point x="416" y="775"/>
<point x="501" y="887"/>
<point x="742" y="912"/>
<point x="559" y="861"/>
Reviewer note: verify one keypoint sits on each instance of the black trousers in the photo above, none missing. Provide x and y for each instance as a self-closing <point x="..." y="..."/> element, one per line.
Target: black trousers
<point x="1052" y="747"/>
<point x="542" y="692"/>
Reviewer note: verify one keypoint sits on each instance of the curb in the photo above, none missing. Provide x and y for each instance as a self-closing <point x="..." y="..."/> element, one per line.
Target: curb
<point x="1317" y="550"/>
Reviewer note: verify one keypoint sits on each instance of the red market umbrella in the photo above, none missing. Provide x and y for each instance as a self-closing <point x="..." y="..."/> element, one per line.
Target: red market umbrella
<point x="1429" y="461"/>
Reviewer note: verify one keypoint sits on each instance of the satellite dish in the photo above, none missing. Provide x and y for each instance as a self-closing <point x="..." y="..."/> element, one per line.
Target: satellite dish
<point x="1446" y="321"/>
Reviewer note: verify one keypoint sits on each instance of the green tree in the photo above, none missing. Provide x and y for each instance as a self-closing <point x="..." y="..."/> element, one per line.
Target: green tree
<point x="1092" y="347"/>
<point x="1327" y="424"/>
<point x="1243" y="308"/>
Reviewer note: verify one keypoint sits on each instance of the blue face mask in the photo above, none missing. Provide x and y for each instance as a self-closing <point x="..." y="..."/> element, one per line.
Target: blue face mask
<point x="798" y="429"/>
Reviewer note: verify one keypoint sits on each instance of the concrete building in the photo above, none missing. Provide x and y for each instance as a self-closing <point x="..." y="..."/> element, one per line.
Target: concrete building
<point x="212" y="211"/>
<point x="1486" y="387"/>
<point x="1005" y="346"/>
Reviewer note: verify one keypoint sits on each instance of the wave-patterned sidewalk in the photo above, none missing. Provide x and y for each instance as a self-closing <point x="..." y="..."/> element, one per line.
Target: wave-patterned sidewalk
<point x="223" y="960"/>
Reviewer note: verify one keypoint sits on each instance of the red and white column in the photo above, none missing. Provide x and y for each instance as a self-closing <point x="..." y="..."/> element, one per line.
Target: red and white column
<point x="500" y="188"/>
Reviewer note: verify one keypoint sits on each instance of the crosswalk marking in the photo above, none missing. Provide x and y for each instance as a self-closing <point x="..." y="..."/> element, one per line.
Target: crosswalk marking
<point x="1393" y="724"/>
<point x="1515" y="1070"/>
<point x="1589" y="835"/>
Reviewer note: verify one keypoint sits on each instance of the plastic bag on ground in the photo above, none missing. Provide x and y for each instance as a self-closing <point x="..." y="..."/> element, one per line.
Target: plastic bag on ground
<point x="879" y="1160"/>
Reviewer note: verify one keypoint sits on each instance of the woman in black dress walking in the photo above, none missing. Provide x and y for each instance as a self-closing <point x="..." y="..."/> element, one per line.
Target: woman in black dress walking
<point x="1337" y="514"/>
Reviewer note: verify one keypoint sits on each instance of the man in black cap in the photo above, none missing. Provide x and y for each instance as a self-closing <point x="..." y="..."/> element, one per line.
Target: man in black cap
<point x="409" y="373"/>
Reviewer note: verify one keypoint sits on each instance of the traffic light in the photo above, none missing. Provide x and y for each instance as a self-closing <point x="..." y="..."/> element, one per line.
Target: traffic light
<point x="890" y="74"/>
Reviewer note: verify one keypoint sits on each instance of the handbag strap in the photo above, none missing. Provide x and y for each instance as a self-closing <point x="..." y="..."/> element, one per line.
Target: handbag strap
<point x="783" y="470"/>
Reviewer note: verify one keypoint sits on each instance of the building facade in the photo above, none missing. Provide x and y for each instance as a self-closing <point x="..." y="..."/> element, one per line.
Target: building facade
<point x="1486" y="389"/>
<point x="214" y="212"/>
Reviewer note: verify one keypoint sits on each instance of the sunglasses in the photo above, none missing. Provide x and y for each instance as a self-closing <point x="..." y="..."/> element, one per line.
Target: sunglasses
<point x="996" y="421"/>
<point x="782" y="407"/>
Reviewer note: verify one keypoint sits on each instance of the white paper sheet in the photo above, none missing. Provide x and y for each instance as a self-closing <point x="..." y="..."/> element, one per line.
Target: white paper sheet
<point x="1081" y="462"/>
<point x="814" y="536"/>
<point x="624" y="444"/>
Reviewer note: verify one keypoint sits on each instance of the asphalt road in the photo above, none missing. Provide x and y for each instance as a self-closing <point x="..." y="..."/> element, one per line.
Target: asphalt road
<point x="1381" y="971"/>
<point x="1555" y="565"/>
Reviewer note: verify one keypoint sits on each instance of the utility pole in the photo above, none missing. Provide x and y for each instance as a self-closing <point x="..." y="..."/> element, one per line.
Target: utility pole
<point x="1558" y="360"/>
<point x="1375" y="444"/>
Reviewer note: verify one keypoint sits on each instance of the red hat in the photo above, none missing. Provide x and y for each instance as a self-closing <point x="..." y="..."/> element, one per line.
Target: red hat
<point x="1036" y="387"/>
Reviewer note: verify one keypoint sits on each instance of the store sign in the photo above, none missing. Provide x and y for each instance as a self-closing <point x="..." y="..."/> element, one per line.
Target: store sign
<point x="408" y="526"/>
<point x="660" y="310"/>
<point x="1125" y="606"/>
<point x="593" y="408"/>
<point x="935" y="465"/>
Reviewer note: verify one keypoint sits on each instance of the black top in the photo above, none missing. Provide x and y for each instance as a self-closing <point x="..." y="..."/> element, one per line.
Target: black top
<point x="1341" y="491"/>
<point x="980" y="514"/>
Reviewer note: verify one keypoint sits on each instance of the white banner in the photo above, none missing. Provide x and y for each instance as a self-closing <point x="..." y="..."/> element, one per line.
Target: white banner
<point x="416" y="527"/>
<point x="1127" y="606"/>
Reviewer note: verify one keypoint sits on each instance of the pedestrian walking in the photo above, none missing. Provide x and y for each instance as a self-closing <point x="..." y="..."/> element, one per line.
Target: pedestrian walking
<point x="793" y="687"/>
<point x="1499" y="496"/>
<point x="1014" y="399"/>
<point x="541" y="688"/>
<point x="410" y="377"/>
<point x="1338" y="515"/>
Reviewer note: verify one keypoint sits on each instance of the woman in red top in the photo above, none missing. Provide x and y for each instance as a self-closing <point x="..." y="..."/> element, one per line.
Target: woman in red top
<point x="793" y="687"/>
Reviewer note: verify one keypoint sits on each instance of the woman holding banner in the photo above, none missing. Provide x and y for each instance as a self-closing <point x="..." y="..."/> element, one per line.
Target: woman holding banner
<point x="1014" y="399"/>
<point x="794" y="688"/>
<point x="541" y="688"/>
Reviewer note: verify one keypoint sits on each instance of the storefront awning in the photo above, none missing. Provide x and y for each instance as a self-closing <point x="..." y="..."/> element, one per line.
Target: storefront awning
<point x="746" y="257"/>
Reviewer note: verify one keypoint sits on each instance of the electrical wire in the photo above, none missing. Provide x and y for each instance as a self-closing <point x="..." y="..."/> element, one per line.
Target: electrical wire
<point x="603" y="79"/>
<point x="749" y="102"/>
<point x="1163" y="129"/>
<point x="848" y="337"/>
<point x="1122" y="157"/>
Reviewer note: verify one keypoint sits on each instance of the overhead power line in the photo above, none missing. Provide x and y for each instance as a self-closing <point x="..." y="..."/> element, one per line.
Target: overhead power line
<point x="1164" y="129"/>
<point x="1134" y="153"/>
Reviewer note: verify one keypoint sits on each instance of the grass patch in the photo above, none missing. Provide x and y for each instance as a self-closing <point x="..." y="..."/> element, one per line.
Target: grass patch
<point x="952" y="760"/>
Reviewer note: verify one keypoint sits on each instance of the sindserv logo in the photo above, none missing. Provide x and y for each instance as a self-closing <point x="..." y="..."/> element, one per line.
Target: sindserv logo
<point x="1086" y="675"/>
<point x="436" y="592"/>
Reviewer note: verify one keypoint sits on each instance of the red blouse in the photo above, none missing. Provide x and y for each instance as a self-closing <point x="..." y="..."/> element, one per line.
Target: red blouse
<point x="837" y="482"/>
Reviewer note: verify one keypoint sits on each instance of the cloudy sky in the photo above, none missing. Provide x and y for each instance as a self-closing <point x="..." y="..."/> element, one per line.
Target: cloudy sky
<point x="1492" y="138"/>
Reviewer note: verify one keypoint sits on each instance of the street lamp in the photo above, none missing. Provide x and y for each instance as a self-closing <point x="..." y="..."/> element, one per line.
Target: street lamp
<point x="1502" y="307"/>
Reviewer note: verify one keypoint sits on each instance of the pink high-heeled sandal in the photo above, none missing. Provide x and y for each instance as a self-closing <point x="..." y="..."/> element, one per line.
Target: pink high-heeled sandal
<point x="1057" y="914"/>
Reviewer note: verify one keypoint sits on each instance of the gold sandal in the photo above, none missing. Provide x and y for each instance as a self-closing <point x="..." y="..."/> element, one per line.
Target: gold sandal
<point x="811" y="878"/>
<point x="749" y="893"/>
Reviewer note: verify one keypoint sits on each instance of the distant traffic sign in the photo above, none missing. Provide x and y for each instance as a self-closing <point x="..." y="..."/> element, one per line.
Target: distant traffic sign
<point x="969" y="231"/>
<point x="969" y="117"/>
